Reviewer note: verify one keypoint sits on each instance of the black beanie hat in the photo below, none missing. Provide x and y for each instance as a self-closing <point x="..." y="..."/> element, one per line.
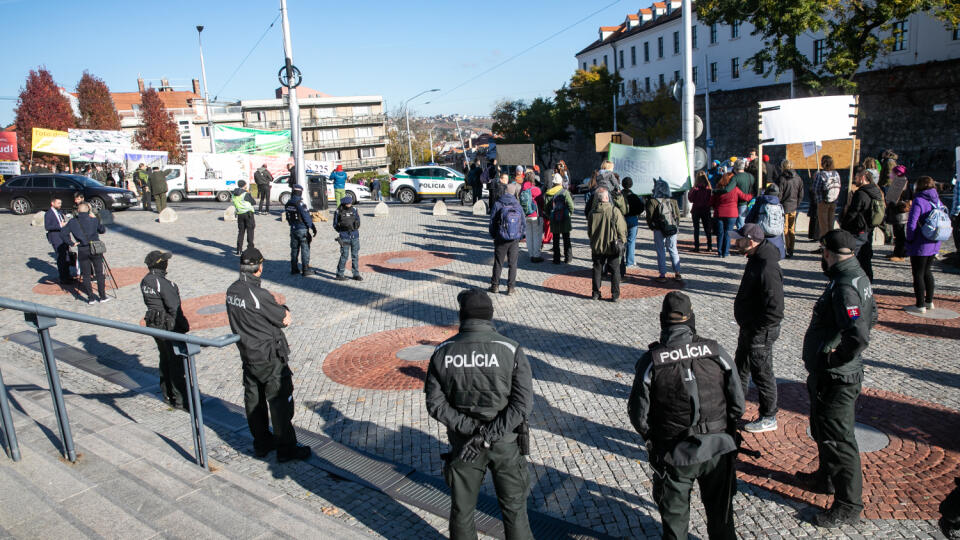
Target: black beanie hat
<point x="475" y="304"/>
<point x="676" y="308"/>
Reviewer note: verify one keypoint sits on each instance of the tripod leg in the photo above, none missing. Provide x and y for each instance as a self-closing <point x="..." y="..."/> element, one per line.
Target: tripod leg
<point x="116" y="286"/>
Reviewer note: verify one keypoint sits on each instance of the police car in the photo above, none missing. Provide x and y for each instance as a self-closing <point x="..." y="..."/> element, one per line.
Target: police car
<point x="426" y="182"/>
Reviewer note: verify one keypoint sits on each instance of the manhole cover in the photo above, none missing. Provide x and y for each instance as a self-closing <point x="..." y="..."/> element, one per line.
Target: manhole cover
<point x="210" y="310"/>
<point x="416" y="353"/>
<point x="400" y="260"/>
<point x="869" y="438"/>
<point x="935" y="313"/>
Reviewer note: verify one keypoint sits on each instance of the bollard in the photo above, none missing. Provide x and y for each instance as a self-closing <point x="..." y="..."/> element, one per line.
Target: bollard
<point x="439" y="209"/>
<point x="169" y="215"/>
<point x="480" y="208"/>
<point x="382" y="210"/>
<point x="230" y="214"/>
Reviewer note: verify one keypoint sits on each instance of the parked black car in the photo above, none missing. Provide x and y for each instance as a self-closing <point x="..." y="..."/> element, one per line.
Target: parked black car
<point x="32" y="192"/>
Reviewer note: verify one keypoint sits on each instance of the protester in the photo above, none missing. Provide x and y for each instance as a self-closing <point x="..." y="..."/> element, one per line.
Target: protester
<point x="375" y="188"/>
<point x="747" y="184"/>
<point x="607" y="230"/>
<point x="530" y="194"/>
<point x="292" y="175"/>
<point x="920" y="247"/>
<point x="635" y="208"/>
<point x="791" y="195"/>
<point x="663" y="218"/>
<point x="346" y="221"/>
<point x="141" y="179"/>
<point x="264" y="181"/>
<point x="838" y="333"/>
<point x="339" y="179"/>
<point x="86" y="229"/>
<point x="474" y="181"/>
<point x="483" y="405"/>
<point x="54" y="223"/>
<point x="826" y="191"/>
<point x="898" y="213"/>
<point x="768" y="213"/>
<point x="758" y="310"/>
<point x="863" y="214"/>
<point x="726" y="197"/>
<point x="301" y="225"/>
<point x="700" y="197"/>
<point x="507" y="227"/>
<point x="955" y="216"/>
<point x="608" y="179"/>
<point x="243" y="203"/>
<point x="562" y="170"/>
<point x="492" y="177"/>
<point x="164" y="312"/>
<point x="158" y="188"/>
<point x="558" y="204"/>
<point x="688" y="438"/>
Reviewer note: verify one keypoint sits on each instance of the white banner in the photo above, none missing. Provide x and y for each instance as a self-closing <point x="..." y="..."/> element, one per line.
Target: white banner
<point x="150" y="158"/>
<point x="230" y="167"/>
<point x="644" y="164"/>
<point x="9" y="168"/>
<point x="802" y="120"/>
<point x="98" y="145"/>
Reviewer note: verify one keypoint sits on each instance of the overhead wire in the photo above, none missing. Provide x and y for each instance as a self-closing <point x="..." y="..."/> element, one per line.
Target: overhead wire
<point x="257" y="44"/>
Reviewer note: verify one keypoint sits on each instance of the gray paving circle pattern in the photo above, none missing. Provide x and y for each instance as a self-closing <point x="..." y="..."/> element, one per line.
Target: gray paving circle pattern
<point x="869" y="438"/>
<point x="210" y="310"/>
<point x="939" y="314"/>
<point x="416" y="353"/>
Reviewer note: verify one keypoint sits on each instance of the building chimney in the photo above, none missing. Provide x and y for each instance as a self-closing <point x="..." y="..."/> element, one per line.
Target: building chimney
<point x="140" y="85"/>
<point x="196" y="87"/>
<point x="164" y="85"/>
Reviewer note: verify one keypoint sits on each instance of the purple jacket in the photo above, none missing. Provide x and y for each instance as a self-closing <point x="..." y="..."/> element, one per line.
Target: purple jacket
<point x="917" y="244"/>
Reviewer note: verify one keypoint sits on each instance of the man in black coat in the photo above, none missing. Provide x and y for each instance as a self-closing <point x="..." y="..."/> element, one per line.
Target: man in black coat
<point x="54" y="222"/>
<point x="264" y="180"/>
<point x="86" y="228"/>
<point x="857" y="220"/>
<point x="164" y="312"/>
<point x="758" y="309"/>
<point x="791" y="195"/>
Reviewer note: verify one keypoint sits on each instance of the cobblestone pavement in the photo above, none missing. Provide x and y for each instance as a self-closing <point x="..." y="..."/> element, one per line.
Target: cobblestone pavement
<point x="358" y="356"/>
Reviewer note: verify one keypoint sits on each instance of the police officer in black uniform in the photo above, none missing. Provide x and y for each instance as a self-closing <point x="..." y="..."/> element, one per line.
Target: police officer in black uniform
<point x="684" y="377"/>
<point x="479" y="386"/>
<point x="267" y="379"/>
<point x="162" y="298"/>
<point x="838" y="334"/>
<point x="298" y="217"/>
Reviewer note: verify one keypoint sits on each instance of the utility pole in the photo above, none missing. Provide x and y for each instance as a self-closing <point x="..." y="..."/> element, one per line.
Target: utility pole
<point x="407" y="114"/>
<point x="616" y="91"/>
<point x="432" y="160"/>
<point x="706" y="101"/>
<point x="462" y="146"/>
<point x="206" y="94"/>
<point x="295" y="136"/>
<point x="688" y="86"/>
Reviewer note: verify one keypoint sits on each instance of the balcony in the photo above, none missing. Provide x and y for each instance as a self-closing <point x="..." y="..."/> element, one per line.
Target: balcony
<point x="344" y="143"/>
<point x="365" y="163"/>
<point x="308" y="122"/>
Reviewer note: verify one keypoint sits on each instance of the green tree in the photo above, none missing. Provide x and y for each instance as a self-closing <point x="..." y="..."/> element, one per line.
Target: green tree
<point x="506" y="121"/>
<point x="654" y="119"/>
<point x="545" y="125"/>
<point x="587" y="101"/>
<point x="856" y="32"/>
<point x="397" y="150"/>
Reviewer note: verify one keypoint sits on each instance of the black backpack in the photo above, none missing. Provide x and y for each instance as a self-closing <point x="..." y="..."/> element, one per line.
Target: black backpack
<point x="678" y="373"/>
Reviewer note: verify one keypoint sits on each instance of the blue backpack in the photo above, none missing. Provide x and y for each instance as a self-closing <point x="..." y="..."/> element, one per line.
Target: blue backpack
<point x="512" y="223"/>
<point x="936" y="225"/>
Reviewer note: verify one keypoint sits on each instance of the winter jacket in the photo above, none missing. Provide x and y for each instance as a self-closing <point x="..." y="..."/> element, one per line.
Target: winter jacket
<point x="339" y="179"/>
<point x="506" y="200"/>
<point x="535" y="197"/>
<point x="759" y="301"/>
<point x="605" y="224"/>
<point x="725" y="203"/>
<point x="158" y="183"/>
<point x="746" y="182"/>
<point x="550" y="199"/>
<point x="753" y="216"/>
<point x="346" y="221"/>
<point x="791" y="190"/>
<point x="243" y="201"/>
<point x="700" y="197"/>
<point x="917" y="243"/>
<point x="826" y="187"/>
<point x="609" y="180"/>
<point x="856" y="219"/>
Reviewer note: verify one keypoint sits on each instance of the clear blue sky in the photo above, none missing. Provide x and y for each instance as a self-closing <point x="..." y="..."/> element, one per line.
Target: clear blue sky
<point x="358" y="47"/>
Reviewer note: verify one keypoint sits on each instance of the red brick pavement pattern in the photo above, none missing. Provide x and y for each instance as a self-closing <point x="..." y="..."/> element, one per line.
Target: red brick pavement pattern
<point x="685" y="244"/>
<point x="371" y="362"/>
<point x="905" y="480"/>
<point x="129" y="275"/>
<point x="637" y="284"/>
<point x="893" y="318"/>
<point x="200" y="321"/>
<point x="422" y="260"/>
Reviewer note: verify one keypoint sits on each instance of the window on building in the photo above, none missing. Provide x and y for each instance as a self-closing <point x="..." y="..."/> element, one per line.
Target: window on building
<point x="956" y="34"/>
<point x="713" y="34"/>
<point x="646" y="51"/>
<point x="594" y="61"/>
<point x="662" y="81"/>
<point x="364" y="132"/>
<point x="204" y="131"/>
<point x="735" y="30"/>
<point x="676" y="43"/>
<point x="819" y="51"/>
<point x="696" y="77"/>
<point x="621" y="58"/>
<point x="368" y="152"/>
<point x="900" y="36"/>
<point x="735" y="67"/>
<point x="361" y="110"/>
<point x="604" y="59"/>
<point x="135" y="107"/>
<point x="713" y="72"/>
<point x="660" y="46"/>
<point x="633" y="87"/>
<point x="676" y="75"/>
<point x="758" y="67"/>
<point x="633" y="55"/>
<point x="584" y="66"/>
<point x="623" y="89"/>
<point x="646" y="84"/>
<point x="327" y="135"/>
<point x="693" y="35"/>
<point x="330" y="155"/>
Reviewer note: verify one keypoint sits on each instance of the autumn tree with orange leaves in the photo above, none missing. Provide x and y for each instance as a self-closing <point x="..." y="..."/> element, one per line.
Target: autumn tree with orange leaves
<point x="41" y="105"/>
<point x="159" y="131"/>
<point x="97" y="110"/>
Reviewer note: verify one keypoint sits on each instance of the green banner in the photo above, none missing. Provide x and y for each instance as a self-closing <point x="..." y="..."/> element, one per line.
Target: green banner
<point x="240" y="140"/>
<point x="644" y="164"/>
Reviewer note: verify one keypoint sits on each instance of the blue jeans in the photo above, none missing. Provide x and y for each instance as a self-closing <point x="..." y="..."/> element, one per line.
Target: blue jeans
<point x="300" y="246"/>
<point x="349" y="247"/>
<point x="741" y="218"/>
<point x="724" y="226"/>
<point x="663" y="244"/>
<point x="632" y="225"/>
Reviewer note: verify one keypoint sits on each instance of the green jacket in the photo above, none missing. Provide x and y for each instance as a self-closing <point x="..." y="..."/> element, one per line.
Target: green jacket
<point x="604" y="225"/>
<point x="548" y="200"/>
<point x="839" y="330"/>
<point x="745" y="181"/>
<point x="141" y="177"/>
<point x="158" y="182"/>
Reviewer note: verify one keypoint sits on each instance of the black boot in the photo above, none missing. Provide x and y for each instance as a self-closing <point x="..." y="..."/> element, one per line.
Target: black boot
<point x="294" y="268"/>
<point x="306" y="271"/>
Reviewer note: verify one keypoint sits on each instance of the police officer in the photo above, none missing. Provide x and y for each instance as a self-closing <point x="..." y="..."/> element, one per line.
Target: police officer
<point x="298" y="217"/>
<point x="839" y="332"/>
<point x="245" y="205"/>
<point x="162" y="298"/>
<point x="267" y="379"/>
<point x="479" y="386"/>
<point x="141" y="179"/>
<point x="684" y="377"/>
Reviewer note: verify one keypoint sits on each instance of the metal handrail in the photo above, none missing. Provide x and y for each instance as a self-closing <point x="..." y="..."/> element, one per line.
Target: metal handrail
<point x="42" y="318"/>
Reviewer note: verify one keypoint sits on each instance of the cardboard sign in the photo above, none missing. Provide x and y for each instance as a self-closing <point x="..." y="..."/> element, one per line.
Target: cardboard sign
<point x="603" y="140"/>
<point x="842" y="151"/>
<point x="516" y="154"/>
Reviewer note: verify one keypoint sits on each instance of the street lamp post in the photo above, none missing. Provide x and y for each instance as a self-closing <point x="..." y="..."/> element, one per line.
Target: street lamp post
<point x="206" y="94"/>
<point x="407" y="114"/>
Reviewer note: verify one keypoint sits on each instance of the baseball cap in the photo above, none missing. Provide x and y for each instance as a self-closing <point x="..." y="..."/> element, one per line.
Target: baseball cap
<point x="676" y="307"/>
<point x="251" y="256"/>
<point x="839" y="241"/>
<point x="297" y="187"/>
<point x="155" y="257"/>
<point x="752" y="231"/>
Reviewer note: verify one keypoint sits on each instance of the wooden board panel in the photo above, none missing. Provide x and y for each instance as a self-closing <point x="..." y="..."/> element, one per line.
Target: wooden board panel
<point x="839" y="150"/>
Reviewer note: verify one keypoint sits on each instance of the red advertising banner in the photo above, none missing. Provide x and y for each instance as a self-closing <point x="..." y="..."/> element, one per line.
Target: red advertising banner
<point x="8" y="146"/>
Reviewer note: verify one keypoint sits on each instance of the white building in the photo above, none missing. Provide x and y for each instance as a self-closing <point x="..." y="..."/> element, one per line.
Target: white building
<point x="647" y="50"/>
